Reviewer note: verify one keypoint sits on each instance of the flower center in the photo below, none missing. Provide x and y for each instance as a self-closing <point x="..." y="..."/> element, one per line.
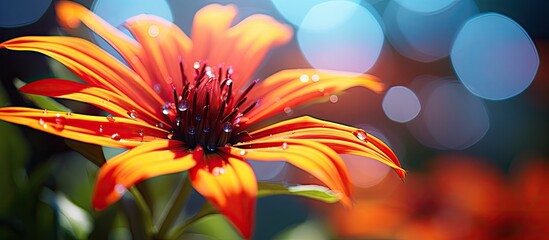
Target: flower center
<point x="207" y="111"/>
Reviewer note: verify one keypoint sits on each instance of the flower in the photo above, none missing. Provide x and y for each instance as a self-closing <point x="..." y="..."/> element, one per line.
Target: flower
<point x="178" y="105"/>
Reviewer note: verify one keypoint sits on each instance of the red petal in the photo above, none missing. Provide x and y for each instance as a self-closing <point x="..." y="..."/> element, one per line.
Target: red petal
<point x="230" y="185"/>
<point x="120" y="132"/>
<point x="146" y="161"/>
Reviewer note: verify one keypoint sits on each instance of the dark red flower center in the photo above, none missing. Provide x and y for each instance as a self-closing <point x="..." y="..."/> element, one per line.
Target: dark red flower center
<point x="207" y="111"/>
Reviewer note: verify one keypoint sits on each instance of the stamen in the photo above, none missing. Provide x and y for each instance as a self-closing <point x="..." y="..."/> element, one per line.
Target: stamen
<point x="248" y="89"/>
<point x="251" y="107"/>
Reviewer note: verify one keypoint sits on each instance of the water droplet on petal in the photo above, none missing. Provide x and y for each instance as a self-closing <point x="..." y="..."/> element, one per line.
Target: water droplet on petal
<point x="69" y="114"/>
<point x="100" y="128"/>
<point x="198" y="117"/>
<point x="153" y="31"/>
<point x="120" y="189"/>
<point x="59" y="122"/>
<point x="183" y="105"/>
<point x="360" y="134"/>
<point x="196" y="65"/>
<point x="211" y="148"/>
<point x="242" y="152"/>
<point x="45" y="111"/>
<point x="177" y="121"/>
<point x="288" y="110"/>
<point x="170" y="135"/>
<point x="41" y="122"/>
<point x="166" y="109"/>
<point x="229" y="82"/>
<point x="140" y="132"/>
<point x="227" y="127"/>
<point x="304" y="78"/>
<point x="315" y="78"/>
<point x="284" y="146"/>
<point x="191" y="131"/>
<point x="157" y="88"/>
<point x="160" y="125"/>
<point x="206" y="129"/>
<point x="116" y="137"/>
<point x="110" y="118"/>
<point x="218" y="171"/>
<point x="132" y="114"/>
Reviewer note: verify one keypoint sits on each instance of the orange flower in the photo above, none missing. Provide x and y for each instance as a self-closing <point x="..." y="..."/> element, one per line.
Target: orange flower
<point x="177" y="107"/>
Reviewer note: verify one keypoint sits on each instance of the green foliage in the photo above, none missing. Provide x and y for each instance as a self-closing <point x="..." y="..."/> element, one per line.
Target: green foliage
<point x="311" y="191"/>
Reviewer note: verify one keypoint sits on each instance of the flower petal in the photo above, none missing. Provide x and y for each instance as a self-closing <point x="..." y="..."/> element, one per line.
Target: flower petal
<point x="315" y="158"/>
<point x="101" y="98"/>
<point x="91" y="64"/>
<point x="288" y="88"/>
<point x="164" y="45"/>
<point x="143" y="162"/>
<point x="112" y="132"/>
<point x="342" y="139"/>
<point x="71" y="14"/>
<point x="229" y="183"/>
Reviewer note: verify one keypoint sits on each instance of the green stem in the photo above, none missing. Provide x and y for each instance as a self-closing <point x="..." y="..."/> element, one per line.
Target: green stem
<point x="175" y="205"/>
<point x="144" y="208"/>
<point x="206" y="210"/>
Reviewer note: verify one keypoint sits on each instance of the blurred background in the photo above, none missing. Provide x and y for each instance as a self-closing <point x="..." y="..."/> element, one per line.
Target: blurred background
<point x="466" y="111"/>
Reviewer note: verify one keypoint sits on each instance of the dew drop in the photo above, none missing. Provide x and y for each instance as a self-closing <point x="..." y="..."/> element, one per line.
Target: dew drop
<point x="333" y="98"/>
<point x="177" y="121"/>
<point x="304" y="78"/>
<point x="116" y="137"/>
<point x="196" y="65"/>
<point x="183" y="105"/>
<point x="41" y="122"/>
<point x="288" y="110"/>
<point x="206" y="129"/>
<point x="160" y="125"/>
<point x="140" y="132"/>
<point x="132" y="114"/>
<point x="284" y="146"/>
<point x="229" y="82"/>
<point x="156" y="88"/>
<point x="69" y="114"/>
<point x="110" y="118"/>
<point x="45" y="111"/>
<point x="120" y="189"/>
<point x="170" y="135"/>
<point x="218" y="171"/>
<point x="59" y="122"/>
<point x="315" y="78"/>
<point x="100" y="128"/>
<point x="211" y="148"/>
<point x="242" y="152"/>
<point x="227" y="127"/>
<point x="153" y="31"/>
<point x="166" y="109"/>
<point x="360" y="134"/>
<point x="191" y="131"/>
<point x="198" y="117"/>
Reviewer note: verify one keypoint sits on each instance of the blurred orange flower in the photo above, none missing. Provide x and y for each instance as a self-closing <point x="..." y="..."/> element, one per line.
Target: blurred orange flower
<point x="178" y="105"/>
<point x="459" y="198"/>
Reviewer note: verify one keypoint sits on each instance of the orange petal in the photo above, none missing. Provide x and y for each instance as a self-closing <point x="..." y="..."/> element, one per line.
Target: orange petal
<point x="101" y="98"/>
<point x="92" y="64"/>
<point x="143" y="162"/>
<point x="342" y="139"/>
<point x="310" y="156"/>
<point x="164" y="44"/>
<point x="288" y="88"/>
<point x="112" y="132"/>
<point x="209" y="26"/>
<point x="245" y="47"/>
<point x="229" y="183"/>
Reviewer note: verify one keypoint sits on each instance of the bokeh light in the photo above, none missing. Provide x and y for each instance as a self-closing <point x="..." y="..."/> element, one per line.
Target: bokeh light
<point x="295" y="11"/>
<point x="117" y="12"/>
<point x="451" y="117"/>
<point x="494" y="57"/>
<point x="22" y="12"/>
<point x="420" y="34"/>
<point x="364" y="172"/>
<point x="426" y="6"/>
<point x="400" y="104"/>
<point x="267" y="171"/>
<point x="350" y="39"/>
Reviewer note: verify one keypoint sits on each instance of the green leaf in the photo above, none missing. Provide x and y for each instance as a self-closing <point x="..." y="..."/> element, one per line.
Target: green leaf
<point x="41" y="101"/>
<point x="75" y="220"/>
<point x="311" y="191"/>
<point x="92" y="152"/>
